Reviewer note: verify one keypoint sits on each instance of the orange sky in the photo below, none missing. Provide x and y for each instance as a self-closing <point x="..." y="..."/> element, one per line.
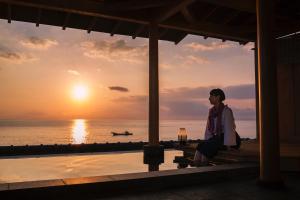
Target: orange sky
<point x="40" y="66"/>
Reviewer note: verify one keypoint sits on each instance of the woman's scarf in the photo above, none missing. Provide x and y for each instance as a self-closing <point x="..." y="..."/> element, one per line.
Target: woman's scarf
<point x="213" y="113"/>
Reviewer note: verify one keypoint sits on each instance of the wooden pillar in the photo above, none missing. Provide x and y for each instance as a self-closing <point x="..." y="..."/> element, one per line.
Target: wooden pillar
<point x="153" y="167"/>
<point x="153" y="152"/>
<point x="267" y="85"/>
<point x="256" y="91"/>
<point x="153" y="86"/>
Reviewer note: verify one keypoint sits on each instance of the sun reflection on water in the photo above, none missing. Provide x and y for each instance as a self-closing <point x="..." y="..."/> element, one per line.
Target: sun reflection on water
<point x="79" y="131"/>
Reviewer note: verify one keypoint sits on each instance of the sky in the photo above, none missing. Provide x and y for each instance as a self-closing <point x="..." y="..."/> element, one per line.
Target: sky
<point x="40" y="66"/>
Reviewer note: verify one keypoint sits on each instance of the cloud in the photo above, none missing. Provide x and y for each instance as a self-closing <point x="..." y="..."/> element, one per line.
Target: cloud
<point x="13" y="56"/>
<point x="119" y="88"/>
<point x="34" y="114"/>
<point x="183" y="109"/>
<point x="165" y="66"/>
<point x="99" y="69"/>
<point x="245" y="91"/>
<point x="186" y="92"/>
<point x="192" y="103"/>
<point x="38" y="43"/>
<point x="243" y="114"/>
<point x="16" y="57"/>
<point x="249" y="46"/>
<point x="187" y="61"/>
<point x="195" y="60"/>
<point x="193" y="109"/>
<point x="179" y="108"/>
<point x="117" y="50"/>
<point x="30" y="114"/>
<point x="73" y="72"/>
<point x="208" y="47"/>
<point x="139" y="99"/>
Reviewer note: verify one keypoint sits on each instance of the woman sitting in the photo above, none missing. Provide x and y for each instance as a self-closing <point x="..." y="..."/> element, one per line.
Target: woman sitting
<point x="220" y="130"/>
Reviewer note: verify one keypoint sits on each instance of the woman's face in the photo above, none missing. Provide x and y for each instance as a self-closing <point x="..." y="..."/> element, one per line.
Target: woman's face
<point x="214" y="99"/>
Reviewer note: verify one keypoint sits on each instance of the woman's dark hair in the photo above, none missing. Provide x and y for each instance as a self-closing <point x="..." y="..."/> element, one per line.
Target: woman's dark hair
<point x="218" y="92"/>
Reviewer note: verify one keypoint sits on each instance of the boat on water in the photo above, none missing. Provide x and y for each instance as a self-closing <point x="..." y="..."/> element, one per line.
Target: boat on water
<point x="123" y="133"/>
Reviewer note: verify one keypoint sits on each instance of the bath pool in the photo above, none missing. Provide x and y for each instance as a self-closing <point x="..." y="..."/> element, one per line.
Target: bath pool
<point x="32" y="168"/>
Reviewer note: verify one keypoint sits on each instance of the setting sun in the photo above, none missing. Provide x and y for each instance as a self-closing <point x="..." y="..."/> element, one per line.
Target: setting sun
<point x="80" y="92"/>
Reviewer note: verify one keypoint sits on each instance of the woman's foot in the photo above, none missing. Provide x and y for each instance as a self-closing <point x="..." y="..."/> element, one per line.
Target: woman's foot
<point x="199" y="164"/>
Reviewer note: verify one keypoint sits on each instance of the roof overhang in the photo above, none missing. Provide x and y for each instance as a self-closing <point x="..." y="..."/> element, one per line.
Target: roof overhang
<point x="233" y="20"/>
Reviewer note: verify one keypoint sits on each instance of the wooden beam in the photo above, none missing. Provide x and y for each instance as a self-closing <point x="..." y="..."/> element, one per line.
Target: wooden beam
<point x="92" y="24"/>
<point x="172" y="10"/>
<point x="241" y="5"/>
<point x="286" y="29"/>
<point x="251" y="19"/>
<point x="181" y="37"/>
<point x="66" y="21"/>
<point x="231" y="17"/>
<point x="161" y="34"/>
<point x="212" y="30"/>
<point x="135" y="4"/>
<point x="8" y="13"/>
<point x="88" y="9"/>
<point x="210" y="13"/>
<point x="209" y="30"/>
<point x="115" y="28"/>
<point x="38" y="18"/>
<point x="188" y="16"/>
<point x="138" y="31"/>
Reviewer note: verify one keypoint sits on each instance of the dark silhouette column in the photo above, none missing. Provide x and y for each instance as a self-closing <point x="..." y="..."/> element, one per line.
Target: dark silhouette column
<point x="267" y="89"/>
<point x="153" y="86"/>
<point x="153" y="152"/>
<point x="256" y="92"/>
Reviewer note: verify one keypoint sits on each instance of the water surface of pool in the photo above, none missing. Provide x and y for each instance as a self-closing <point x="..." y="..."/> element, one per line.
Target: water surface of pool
<point x="29" y="168"/>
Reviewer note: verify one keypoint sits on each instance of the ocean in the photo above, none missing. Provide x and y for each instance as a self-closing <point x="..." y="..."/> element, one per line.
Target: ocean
<point x="77" y="131"/>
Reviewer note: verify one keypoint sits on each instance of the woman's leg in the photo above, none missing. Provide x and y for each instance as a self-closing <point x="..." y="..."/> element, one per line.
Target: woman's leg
<point x="204" y="160"/>
<point x="198" y="156"/>
<point x="200" y="159"/>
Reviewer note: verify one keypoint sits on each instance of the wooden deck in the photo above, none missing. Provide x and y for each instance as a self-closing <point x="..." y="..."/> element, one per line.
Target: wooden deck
<point x="249" y="152"/>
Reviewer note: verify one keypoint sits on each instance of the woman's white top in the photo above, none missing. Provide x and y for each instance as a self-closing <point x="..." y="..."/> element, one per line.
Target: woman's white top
<point x="228" y="127"/>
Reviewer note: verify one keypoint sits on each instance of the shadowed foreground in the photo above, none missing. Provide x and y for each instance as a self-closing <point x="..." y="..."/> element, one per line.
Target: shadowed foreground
<point x="238" y="189"/>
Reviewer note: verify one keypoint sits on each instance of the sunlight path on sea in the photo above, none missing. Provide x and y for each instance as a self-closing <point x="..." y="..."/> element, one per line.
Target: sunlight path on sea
<point x="79" y="131"/>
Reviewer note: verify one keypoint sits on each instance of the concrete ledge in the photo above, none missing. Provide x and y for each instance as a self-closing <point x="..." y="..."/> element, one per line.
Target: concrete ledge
<point x="113" y="185"/>
<point x="3" y="186"/>
<point x="79" y="148"/>
<point x="35" y="184"/>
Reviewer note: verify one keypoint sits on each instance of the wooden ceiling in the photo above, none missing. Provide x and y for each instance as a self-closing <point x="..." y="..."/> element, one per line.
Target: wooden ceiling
<point x="233" y="20"/>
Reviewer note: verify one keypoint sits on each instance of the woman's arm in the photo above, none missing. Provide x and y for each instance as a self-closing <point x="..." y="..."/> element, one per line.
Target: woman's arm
<point x="207" y="133"/>
<point x="229" y="128"/>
